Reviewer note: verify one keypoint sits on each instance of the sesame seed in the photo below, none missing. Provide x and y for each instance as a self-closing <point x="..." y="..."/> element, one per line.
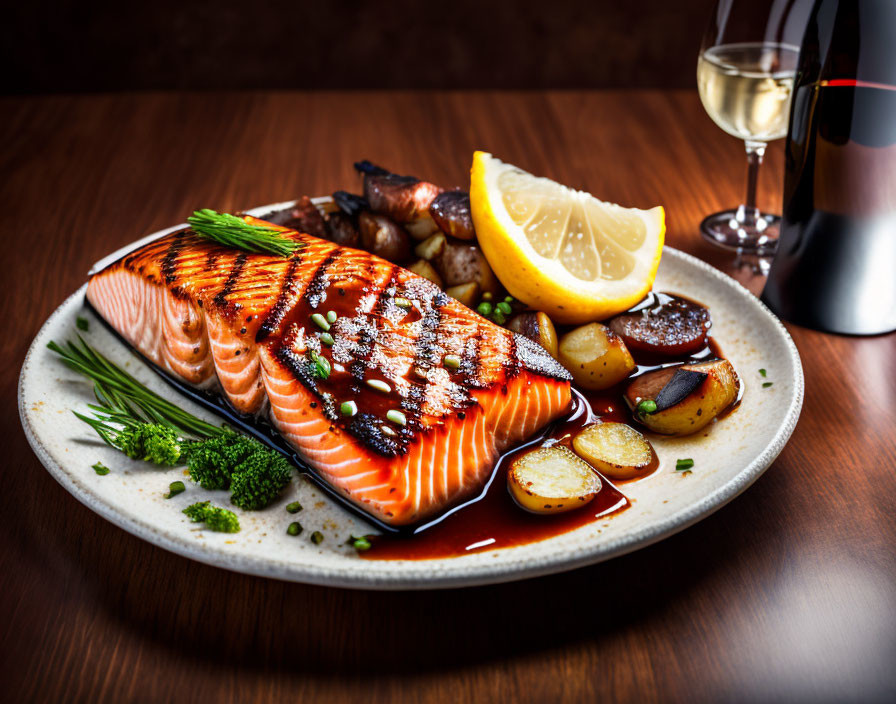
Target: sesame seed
<point x="397" y="417"/>
<point x="379" y="385"/>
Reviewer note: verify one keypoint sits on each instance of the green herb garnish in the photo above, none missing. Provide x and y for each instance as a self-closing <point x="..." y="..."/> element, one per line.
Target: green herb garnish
<point x="496" y="312"/>
<point x="451" y="361"/>
<point x="81" y="323"/>
<point x="762" y="373"/>
<point x="684" y="465"/>
<point x="294" y="528"/>
<point x="143" y="425"/>
<point x="232" y="231"/>
<point x="122" y="398"/>
<point x="317" y="537"/>
<point x="175" y="488"/>
<point x="294" y="507"/>
<point x="149" y="442"/>
<point x="360" y="544"/>
<point x="320" y="366"/>
<point x="255" y="475"/>
<point x="101" y="469"/>
<point x="215" y="518"/>
<point x="646" y="407"/>
<point x="766" y="384"/>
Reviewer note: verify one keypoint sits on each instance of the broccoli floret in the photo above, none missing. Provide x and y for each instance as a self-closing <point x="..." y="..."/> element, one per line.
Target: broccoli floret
<point x="215" y="518"/>
<point x="254" y="474"/>
<point x="150" y="442"/>
<point x="259" y="479"/>
<point x="211" y="462"/>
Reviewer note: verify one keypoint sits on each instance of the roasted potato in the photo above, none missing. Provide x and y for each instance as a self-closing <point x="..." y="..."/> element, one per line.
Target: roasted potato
<point x="468" y="294"/>
<point x="342" y="230"/>
<point x="431" y="248"/>
<point x="595" y="356"/>
<point x="615" y="449"/>
<point x="687" y="397"/>
<point x="537" y="327"/>
<point x="451" y="212"/>
<point x="423" y="268"/>
<point x="552" y="480"/>
<point x="383" y="237"/>
<point x="462" y="263"/>
<point x="422" y="227"/>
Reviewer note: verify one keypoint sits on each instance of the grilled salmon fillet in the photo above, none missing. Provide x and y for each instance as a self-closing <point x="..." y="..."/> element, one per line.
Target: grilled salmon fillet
<point x="394" y="427"/>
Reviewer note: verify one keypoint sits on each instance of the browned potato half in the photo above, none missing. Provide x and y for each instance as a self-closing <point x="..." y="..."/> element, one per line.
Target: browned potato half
<point x="552" y="480"/>
<point x="431" y="247"/>
<point x="463" y="263"/>
<point x="595" y="356"/>
<point x="468" y="294"/>
<point x="615" y="449"/>
<point x="423" y="268"/>
<point x="537" y="327"/>
<point x="383" y="237"/>
<point x="687" y="397"/>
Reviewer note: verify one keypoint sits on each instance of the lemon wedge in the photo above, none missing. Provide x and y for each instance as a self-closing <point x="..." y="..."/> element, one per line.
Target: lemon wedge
<point x="559" y="250"/>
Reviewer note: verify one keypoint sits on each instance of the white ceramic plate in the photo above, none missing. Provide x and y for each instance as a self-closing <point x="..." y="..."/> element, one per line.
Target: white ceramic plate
<point x="726" y="461"/>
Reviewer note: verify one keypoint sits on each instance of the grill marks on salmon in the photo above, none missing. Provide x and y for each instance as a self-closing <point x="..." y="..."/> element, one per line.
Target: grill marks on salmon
<point x="241" y="323"/>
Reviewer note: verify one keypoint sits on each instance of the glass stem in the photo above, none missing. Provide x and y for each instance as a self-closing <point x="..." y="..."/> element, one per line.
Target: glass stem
<point x="748" y="213"/>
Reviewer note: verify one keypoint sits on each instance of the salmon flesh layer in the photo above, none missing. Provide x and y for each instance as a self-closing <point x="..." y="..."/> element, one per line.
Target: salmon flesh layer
<point x="394" y="427"/>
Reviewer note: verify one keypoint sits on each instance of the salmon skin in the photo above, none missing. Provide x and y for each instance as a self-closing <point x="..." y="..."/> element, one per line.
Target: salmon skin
<point x="421" y="397"/>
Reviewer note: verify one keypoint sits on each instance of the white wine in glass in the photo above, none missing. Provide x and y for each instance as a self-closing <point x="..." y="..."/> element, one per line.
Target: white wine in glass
<point x="745" y="74"/>
<point x="746" y="88"/>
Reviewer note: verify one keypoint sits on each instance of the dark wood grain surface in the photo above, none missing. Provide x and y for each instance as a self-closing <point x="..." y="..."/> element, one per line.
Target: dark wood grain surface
<point x="788" y="593"/>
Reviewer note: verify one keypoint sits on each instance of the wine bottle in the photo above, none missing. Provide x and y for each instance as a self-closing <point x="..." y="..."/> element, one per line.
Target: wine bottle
<point x="835" y="267"/>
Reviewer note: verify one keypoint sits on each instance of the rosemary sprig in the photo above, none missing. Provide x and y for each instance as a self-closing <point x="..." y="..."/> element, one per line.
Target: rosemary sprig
<point x="122" y="399"/>
<point x="232" y="231"/>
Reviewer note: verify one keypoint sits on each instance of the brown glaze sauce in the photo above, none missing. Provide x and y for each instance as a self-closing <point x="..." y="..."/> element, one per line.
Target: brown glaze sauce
<point x="494" y="520"/>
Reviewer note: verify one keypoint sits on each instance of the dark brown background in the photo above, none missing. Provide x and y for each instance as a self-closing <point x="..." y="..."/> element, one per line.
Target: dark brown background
<point x="65" y="45"/>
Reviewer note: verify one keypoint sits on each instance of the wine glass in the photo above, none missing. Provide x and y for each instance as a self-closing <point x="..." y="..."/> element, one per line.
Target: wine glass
<point x="745" y="75"/>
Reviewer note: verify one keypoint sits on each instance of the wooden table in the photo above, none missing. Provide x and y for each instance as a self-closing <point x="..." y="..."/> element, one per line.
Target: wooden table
<point x="788" y="592"/>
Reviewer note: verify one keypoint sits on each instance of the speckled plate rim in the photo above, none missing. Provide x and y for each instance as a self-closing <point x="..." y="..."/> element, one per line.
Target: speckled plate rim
<point x="402" y="575"/>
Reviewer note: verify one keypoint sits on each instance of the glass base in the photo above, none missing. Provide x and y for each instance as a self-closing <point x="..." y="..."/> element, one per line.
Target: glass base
<point x="729" y="229"/>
